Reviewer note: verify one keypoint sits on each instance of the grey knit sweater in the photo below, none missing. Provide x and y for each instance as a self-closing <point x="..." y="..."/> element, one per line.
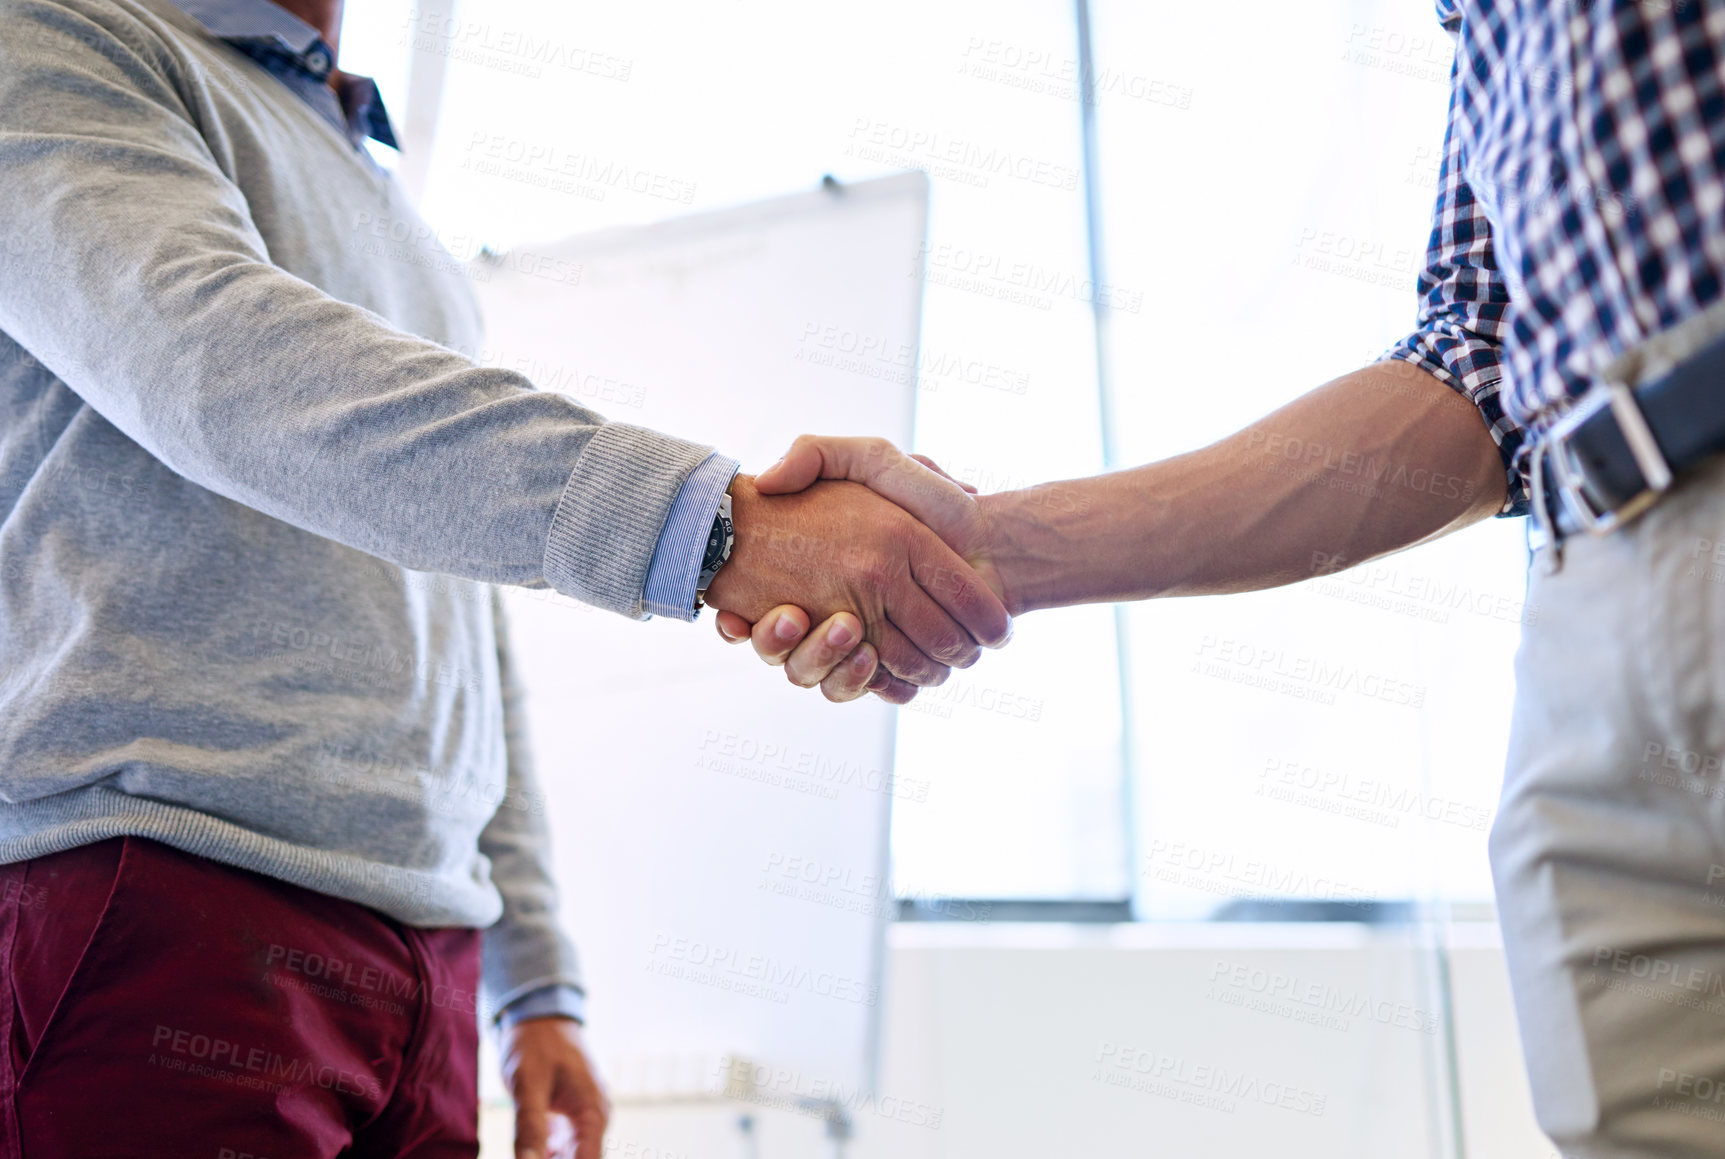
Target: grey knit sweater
<point x="234" y="430"/>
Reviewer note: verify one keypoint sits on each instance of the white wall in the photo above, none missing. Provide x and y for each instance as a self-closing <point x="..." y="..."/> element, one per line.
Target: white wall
<point x="1013" y="1041"/>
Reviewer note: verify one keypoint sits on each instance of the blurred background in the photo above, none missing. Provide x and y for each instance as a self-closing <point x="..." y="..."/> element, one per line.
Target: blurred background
<point x="1206" y="875"/>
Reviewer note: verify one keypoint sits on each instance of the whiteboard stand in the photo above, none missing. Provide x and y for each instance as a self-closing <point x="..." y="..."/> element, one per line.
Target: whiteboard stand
<point x="682" y="777"/>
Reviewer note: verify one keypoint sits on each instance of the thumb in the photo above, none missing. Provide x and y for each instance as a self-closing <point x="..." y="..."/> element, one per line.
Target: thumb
<point x="930" y="494"/>
<point x="732" y="627"/>
<point x="942" y="472"/>
<point x="863" y="459"/>
<point x="532" y="1118"/>
<point x="802" y="465"/>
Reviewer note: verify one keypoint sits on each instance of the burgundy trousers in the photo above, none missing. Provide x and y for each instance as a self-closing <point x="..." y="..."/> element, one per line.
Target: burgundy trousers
<point x="162" y="1004"/>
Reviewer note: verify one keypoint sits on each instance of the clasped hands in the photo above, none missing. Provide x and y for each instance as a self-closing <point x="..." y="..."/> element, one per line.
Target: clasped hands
<point x="885" y="549"/>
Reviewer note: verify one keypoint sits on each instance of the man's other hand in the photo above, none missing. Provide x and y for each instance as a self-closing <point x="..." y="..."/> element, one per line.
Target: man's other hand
<point x="546" y="1070"/>
<point x="838" y="547"/>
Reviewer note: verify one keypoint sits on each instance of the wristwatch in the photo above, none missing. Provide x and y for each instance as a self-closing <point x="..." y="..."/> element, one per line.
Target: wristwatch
<point x="720" y="540"/>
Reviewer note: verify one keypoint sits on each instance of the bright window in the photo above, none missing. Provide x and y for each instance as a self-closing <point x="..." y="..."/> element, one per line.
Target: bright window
<point x="1264" y="184"/>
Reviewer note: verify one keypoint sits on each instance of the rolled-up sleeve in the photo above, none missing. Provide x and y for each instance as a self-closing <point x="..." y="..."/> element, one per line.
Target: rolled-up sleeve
<point x="1464" y="309"/>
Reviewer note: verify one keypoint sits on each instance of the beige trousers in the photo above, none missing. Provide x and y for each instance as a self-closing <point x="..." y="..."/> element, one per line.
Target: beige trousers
<point x="1609" y="847"/>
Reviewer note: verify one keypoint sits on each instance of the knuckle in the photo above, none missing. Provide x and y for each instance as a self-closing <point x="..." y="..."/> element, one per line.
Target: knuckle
<point x="950" y="647"/>
<point x="910" y="669"/>
<point x="934" y="675"/>
<point x="957" y="586"/>
<point x="877" y="574"/>
<point x="963" y="592"/>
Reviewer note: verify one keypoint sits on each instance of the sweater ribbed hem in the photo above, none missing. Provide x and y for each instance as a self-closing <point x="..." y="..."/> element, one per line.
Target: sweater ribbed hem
<point x="612" y="512"/>
<point x="415" y="897"/>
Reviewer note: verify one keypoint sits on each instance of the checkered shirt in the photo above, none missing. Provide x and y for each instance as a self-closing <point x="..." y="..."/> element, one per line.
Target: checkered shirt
<point x="1580" y="206"/>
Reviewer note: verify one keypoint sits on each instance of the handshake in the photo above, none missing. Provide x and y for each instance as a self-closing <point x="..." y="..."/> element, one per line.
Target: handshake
<point x="887" y="550"/>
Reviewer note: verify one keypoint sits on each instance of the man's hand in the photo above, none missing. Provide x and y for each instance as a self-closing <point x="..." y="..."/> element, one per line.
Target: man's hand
<point x="831" y="655"/>
<point x="946" y="506"/>
<point x="839" y="547"/>
<point x="546" y="1069"/>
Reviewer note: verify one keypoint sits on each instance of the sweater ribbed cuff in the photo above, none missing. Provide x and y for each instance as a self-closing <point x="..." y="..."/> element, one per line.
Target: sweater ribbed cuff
<point x="611" y="513"/>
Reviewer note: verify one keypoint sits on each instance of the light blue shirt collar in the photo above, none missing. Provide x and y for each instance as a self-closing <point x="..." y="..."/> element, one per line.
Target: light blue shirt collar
<point x="297" y="55"/>
<point x="248" y="19"/>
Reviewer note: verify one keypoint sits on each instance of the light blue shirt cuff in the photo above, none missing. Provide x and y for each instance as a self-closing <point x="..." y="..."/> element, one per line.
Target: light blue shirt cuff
<point x="676" y="566"/>
<point x="556" y="1000"/>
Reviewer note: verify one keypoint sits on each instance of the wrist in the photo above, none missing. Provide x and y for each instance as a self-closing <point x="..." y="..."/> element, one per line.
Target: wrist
<point x="528" y="1020"/>
<point x="1007" y="527"/>
<point x="725" y="582"/>
<point x="721" y="539"/>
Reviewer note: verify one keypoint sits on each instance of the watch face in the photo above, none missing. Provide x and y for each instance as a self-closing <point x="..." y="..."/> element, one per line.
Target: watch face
<point x="716" y="541"/>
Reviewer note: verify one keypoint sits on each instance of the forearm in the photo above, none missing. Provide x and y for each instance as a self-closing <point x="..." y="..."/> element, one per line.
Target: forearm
<point x="1375" y="461"/>
<point x="526" y="949"/>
